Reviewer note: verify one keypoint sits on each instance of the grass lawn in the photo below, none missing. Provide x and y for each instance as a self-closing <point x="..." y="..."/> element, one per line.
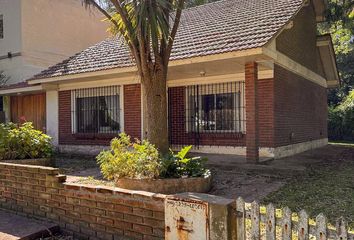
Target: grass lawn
<point x="326" y="188"/>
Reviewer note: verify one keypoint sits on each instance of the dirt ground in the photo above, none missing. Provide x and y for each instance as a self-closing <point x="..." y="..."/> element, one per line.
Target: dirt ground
<point x="233" y="178"/>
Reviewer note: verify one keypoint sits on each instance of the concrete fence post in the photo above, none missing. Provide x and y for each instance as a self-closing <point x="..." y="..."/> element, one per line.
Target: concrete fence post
<point x="197" y="216"/>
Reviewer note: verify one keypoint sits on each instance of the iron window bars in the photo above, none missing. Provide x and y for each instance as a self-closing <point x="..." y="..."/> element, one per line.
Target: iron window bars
<point x="96" y="110"/>
<point x="215" y="108"/>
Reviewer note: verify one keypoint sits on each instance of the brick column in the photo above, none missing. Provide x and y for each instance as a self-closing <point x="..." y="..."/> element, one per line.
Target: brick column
<point x="252" y="136"/>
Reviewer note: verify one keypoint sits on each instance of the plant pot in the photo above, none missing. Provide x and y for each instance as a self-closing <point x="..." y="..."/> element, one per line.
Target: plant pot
<point x="167" y="185"/>
<point x="47" y="162"/>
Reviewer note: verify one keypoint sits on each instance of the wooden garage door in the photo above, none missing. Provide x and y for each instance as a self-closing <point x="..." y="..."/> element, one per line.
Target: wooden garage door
<point x="32" y="108"/>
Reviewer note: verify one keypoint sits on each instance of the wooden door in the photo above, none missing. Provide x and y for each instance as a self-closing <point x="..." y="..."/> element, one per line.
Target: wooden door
<point x="29" y="108"/>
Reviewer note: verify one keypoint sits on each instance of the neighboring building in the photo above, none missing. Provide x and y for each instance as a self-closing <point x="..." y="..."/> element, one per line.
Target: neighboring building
<point x="36" y="34"/>
<point x="245" y="77"/>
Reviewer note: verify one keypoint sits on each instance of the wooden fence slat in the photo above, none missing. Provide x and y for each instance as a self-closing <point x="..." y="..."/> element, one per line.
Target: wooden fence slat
<point x="286" y="224"/>
<point x="255" y="228"/>
<point x="341" y="227"/>
<point x="303" y="227"/>
<point x="240" y="219"/>
<point x="270" y="223"/>
<point x="321" y="227"/>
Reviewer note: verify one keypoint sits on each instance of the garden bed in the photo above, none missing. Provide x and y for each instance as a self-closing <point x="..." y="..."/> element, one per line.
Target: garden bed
<point x="167" y="185"/>
<point x="46" y="162"/>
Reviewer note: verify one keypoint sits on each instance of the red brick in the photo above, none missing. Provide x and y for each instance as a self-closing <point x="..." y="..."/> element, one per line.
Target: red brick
<point x="142" y="229"/>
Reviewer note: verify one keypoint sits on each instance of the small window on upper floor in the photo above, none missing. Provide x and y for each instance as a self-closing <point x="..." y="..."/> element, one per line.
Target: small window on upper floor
<point x="1" y="27"/>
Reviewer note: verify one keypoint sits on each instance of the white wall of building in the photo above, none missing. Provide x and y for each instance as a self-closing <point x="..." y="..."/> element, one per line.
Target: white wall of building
<point x="44" y="33"/>
<point x="11" y="11"/>
<point x="52" y="110"/>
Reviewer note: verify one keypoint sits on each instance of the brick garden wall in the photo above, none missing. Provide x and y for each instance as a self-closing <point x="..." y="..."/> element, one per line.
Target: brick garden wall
<point x="132" y="119"/>
<point x="300" y="109"/>
<point x="83" y="211"/>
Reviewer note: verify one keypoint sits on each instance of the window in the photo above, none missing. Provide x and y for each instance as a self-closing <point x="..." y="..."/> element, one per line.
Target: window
<point x="1" y="104"/>
<point x="1" y="27"/>
<point x="96" y="110"/>
<point x="215" y="107"/>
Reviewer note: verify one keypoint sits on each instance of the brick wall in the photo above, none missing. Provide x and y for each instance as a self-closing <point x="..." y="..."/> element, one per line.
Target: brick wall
<point x="83" y="211"/>
<point x="300" y="109"/>
<point x="132" y="119"/>
<point x="132" y="110"/>
<point x="299" y="42"/>
<point x="266" y="112"/>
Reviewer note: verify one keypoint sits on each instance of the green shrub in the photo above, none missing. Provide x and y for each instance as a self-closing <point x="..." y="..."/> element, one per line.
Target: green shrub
<point x="23" y="142"/>
<point x="141" y="160"/>
<point x="180" y="165"/>
<point x="126" y="159"/>
<point x="341" y="120"/>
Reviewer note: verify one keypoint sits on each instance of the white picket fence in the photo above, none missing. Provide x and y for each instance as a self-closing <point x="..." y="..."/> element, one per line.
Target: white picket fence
<point x="255" y="222"/>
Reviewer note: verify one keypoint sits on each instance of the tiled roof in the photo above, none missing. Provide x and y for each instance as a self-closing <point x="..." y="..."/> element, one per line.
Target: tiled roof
<point x="15" y="85"/>
<point x="219" y="27"/>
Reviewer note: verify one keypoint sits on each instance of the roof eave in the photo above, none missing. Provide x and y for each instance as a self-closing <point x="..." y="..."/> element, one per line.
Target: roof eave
<point x="324" y="42"/>
<point x="247" y="53"/>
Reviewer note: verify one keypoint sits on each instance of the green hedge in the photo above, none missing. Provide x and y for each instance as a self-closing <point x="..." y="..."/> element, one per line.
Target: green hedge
<point x="23" y="142"/>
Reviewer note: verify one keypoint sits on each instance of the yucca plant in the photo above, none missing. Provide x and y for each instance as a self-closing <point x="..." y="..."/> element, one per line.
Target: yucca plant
<point x="148" y="28"/>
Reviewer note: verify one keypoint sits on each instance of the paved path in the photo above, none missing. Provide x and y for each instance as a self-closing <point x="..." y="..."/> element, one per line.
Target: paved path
<point x="14" y="227"/>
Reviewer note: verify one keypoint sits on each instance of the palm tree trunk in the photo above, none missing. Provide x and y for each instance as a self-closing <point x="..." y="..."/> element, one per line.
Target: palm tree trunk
<point x="155" y="117"/>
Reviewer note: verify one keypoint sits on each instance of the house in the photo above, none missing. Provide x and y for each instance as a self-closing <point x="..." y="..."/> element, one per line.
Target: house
<point x="36" y="34"/>
<point x="245" y="77"/>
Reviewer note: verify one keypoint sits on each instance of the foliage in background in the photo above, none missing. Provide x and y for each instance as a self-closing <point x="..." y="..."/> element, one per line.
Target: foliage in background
<point x="141" y="160"/>
<point x="23" y="142"/>
<point x="341" y="120"/>
<point x="340" y="24"/>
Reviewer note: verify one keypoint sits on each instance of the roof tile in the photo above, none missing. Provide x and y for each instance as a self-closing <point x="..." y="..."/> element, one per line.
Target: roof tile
<point x="219" y="27"/>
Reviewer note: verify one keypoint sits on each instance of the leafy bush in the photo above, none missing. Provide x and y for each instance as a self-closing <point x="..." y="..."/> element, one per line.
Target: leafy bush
<point x="129" y="160"/>
<point x="23" y="142"/>
<point x="341" y="120"/>
<point x="141" y="160"/>
<point x="179" y="165"/>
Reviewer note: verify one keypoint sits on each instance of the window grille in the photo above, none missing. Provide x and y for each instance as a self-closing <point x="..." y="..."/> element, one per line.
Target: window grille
<point x="96" y="110"/>
<point x="217" y="108"/>
<point x="208" y="114"/>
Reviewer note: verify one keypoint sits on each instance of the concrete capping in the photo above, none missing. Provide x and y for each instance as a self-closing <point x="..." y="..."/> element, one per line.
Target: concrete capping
<point x="230" y="150"/>
<point x="293" y="149"/>
<point x="82" y="149"/>
<point x="265" y="152"/>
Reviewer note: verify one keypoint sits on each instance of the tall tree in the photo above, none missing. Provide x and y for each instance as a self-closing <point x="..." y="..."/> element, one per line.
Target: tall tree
<point x="149" y="28"/>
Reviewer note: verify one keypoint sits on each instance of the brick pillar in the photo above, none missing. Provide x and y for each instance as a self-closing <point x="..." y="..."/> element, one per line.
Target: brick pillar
<point x="252" y="138"/>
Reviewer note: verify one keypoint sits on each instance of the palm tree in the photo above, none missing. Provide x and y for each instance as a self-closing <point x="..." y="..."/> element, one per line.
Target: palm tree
<point x="149" y="28"/>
